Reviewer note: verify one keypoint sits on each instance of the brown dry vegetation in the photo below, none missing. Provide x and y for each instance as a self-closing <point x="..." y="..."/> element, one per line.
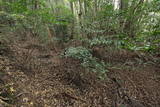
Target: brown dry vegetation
<point x="35" y="76"/>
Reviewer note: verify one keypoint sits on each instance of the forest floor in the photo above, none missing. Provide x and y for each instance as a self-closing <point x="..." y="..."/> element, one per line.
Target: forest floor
<point x="35" y="76"/>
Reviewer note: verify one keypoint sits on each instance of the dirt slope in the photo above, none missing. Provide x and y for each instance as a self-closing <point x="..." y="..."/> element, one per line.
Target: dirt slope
<point x="39" y="77"/>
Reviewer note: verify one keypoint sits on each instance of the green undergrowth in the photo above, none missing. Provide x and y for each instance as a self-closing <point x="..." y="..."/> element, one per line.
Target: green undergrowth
<point x="122" y="42"/>
<point x="87" y="60"/>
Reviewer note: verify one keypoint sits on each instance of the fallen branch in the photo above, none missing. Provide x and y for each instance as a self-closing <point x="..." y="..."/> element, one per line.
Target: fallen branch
<point x="72" y="97"/>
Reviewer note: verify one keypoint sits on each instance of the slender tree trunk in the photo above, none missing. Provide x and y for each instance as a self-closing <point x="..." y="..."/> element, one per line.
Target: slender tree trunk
<point x="36" y="5"/>
<point x="123" y="21"/>
<point x="85" y="7"/>
<point x="95" y="7"/>
<point x="1" y="6"/>
<point x="72" y="26"/>
<point x="80" y="15"/>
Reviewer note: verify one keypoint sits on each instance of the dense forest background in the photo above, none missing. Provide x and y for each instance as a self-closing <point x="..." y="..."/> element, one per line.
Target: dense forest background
<point x="80" y="53"/>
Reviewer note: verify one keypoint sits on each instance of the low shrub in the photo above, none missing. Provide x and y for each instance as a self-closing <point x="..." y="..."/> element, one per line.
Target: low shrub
<point x="87" y="60"/>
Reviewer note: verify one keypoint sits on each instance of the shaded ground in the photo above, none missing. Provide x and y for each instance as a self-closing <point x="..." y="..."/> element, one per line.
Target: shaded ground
<point x="36" y="76"/>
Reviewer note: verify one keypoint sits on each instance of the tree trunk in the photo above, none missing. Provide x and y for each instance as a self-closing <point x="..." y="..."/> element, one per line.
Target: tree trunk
<point x="36" y="5"/>
<point x="80" y="15"/>
<point x="72" y="26"/>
